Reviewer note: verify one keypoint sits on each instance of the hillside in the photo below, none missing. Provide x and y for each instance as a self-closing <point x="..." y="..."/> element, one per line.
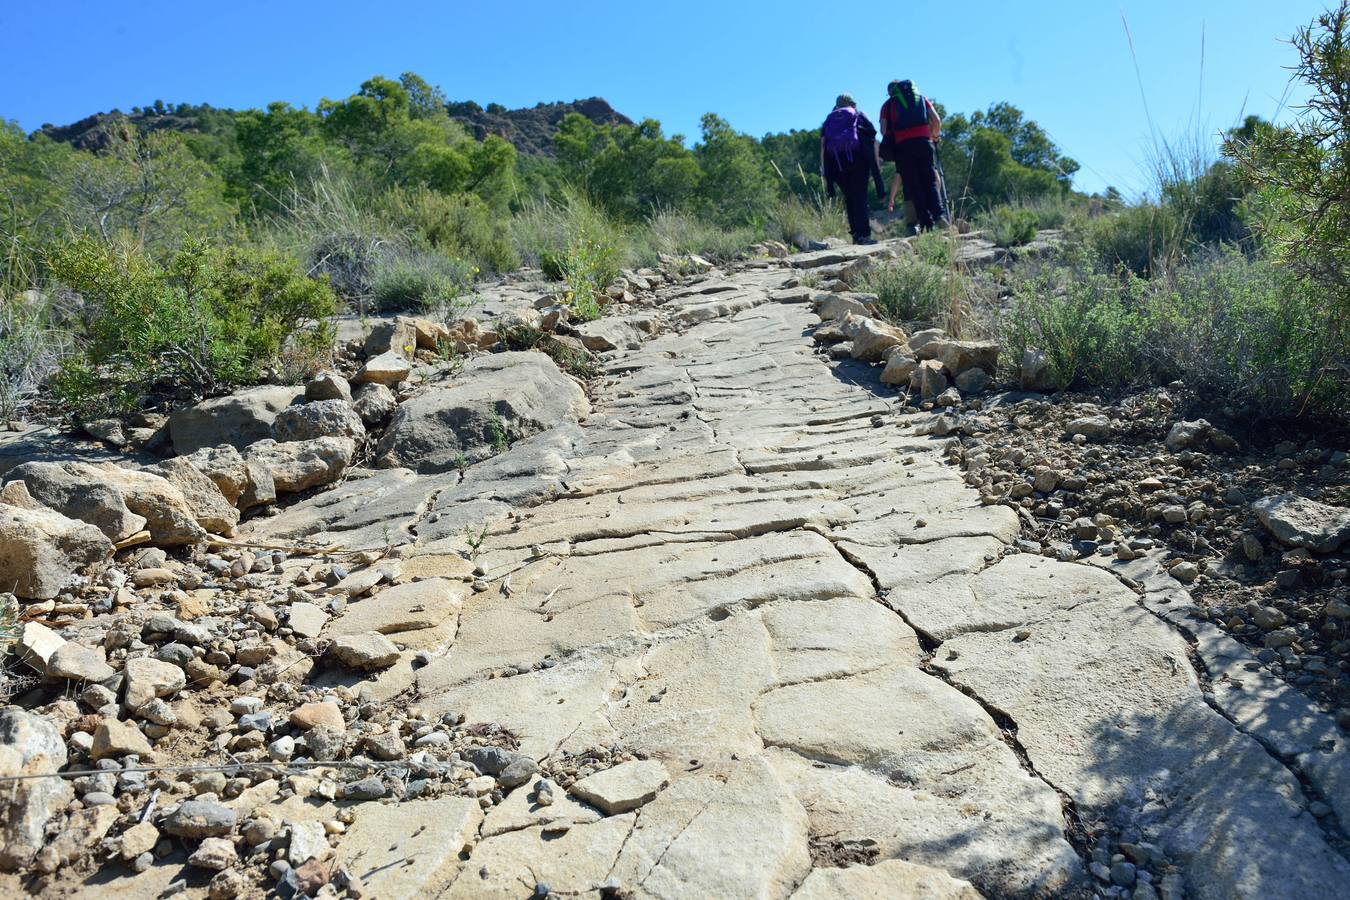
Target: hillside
<point x="530" y="129"/>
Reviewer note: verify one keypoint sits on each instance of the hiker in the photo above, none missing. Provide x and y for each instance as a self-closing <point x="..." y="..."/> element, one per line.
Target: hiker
<point x="848" y="157"/>
<point x="910" y="132"/>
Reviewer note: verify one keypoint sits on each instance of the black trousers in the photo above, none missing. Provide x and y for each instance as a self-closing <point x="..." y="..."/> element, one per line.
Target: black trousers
<point x="916" y="161"/>
<point x="853" y="183"/>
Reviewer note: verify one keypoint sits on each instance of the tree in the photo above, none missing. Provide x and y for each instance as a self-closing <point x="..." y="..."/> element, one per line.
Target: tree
<point x="737" y="185"/>
<point x="425" y="101"/>
<point x="279" y="149"/>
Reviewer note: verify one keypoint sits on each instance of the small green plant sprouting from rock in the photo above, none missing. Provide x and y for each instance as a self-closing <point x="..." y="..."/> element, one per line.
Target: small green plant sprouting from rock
<point x="501" y="439"/>
<point x="475" y="540"/>
<point x="462" y="463"/>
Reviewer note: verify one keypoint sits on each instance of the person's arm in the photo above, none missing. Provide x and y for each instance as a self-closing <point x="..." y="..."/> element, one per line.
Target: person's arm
<point x="895" y="189"/>
<point x="934" y="123"/>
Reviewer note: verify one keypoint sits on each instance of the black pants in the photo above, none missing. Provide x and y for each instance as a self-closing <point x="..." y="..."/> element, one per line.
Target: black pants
<point x="853" y="183"/>
<point x="916" y="161"/>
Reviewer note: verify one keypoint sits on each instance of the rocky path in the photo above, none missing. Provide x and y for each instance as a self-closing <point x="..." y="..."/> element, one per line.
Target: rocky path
<point x="746" y="568"/>
<point x="819" y="661"/>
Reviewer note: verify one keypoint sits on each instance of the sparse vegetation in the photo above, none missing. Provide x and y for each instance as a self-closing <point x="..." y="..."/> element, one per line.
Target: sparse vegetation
<point x="908" y="290"/>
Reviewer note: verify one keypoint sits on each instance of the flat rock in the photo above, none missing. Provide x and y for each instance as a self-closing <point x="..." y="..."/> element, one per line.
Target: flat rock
<point x="307" y="619"/>
<point x="76" y="662"/>
<point x="410" y="849"/>
<point x="364" y="652"/>
<point x="1299" y="522"/>
<point x="316" y="419"/>
<point x="30" y="744"/>
<point x="114" y="738"/>
<point x="888" y="878"/>
<point x="300" y="465"/>
<point x="148" y="678"/>
<point x="403" y="608"/>
<point x="623" y="788"/>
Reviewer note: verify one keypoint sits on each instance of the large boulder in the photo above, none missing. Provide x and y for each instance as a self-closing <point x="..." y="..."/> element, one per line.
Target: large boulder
<point x="872" y="339"/>
<point x="77" y="490"/>
<point x="899" y="367"/>
<point x="169" y="516"/>
<point x="30" y="744"/>
<point x="961" y="356"/>
<point x="494" y="400"/>
<point x="1299" y="522"/>
<point x="322" y="418"/>
<point x="300" y="465"/>
<point x="608" y="333"/>
<point x="927" y="380"/>
<point x="238" y="419"/>
<point x="212" y="509"/>
<point x="40" y="550"/>
<point x="243" y="482"/>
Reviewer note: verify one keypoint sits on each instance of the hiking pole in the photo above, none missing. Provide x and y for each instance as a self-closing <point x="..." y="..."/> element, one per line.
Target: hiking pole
<point x="942" y="183"/>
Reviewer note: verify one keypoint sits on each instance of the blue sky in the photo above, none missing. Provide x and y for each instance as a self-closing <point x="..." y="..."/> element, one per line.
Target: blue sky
<point x="764" y="66"/>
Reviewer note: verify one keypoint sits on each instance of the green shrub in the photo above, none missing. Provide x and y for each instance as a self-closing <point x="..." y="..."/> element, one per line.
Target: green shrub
<point x="209" y="320"/>
<point x="797" y="222"/>
<point x="1143" y="239"/>
<point x="542" y="227"/>
<point x="423" y="280"/>
<point x="461" y="227"/>
<point x="1009" y="226"/>
<point x="32" y="345"/>
<point x="1091" y="327"/>
<point x="588" y="268"/>
<point x="908" y="290"/>
<point x="934" y="248"/>
<point x="679" y="234"/>
<point x="335" y="229"/>
<point x="1251" y="335"/>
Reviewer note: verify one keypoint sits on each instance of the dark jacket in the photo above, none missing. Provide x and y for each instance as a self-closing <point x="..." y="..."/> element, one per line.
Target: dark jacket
<point x="833" y="170"/>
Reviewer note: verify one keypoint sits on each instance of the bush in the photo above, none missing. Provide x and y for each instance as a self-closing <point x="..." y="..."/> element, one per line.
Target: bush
<point x="461" y="227"/>
<point x="588" y="268"/>
<point x="543" y="228"/>
<point x="336" y="231"/>
<point x="678" y="234"/>
<point x="1089" y="326"/>
<point x="797" y="222"/>
<point x="32" y="346"/>
<point x="208" y="321"/>
<point x="423" y="280"/>
<point x="1008" y="226"/>
<point x="908" y="290"/>
<point x="1142" y="239"/>
<point x="1249" y="334"/>
<point x="934" y="248"/>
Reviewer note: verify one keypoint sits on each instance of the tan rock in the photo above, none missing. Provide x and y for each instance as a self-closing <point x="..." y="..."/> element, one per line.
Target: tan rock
<point x="115" y="738"/>
<point x="888" y="878"/>
<point x="312" y="715"/>
<point x="623" y="788"/>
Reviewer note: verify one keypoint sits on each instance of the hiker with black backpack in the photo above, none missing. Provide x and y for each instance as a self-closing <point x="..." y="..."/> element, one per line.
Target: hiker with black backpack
<point x="848" y="157"/>
<point x="910" y="132"/>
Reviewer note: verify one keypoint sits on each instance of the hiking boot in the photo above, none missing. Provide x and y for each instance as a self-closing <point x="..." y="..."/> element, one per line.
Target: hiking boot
<point x="867" y="241"/>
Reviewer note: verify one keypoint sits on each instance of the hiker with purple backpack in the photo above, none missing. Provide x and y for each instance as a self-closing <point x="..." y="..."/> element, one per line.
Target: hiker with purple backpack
<point x="848" y="157"/>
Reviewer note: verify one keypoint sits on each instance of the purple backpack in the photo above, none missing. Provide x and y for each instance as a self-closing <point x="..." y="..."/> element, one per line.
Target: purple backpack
<point x="841" y="134"/>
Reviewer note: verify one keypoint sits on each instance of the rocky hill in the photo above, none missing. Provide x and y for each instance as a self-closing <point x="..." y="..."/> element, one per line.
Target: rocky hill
<point x="531" y="130"/>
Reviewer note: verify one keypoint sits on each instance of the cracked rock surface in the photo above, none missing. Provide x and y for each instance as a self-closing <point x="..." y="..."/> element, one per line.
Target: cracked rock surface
<point x="830" y="671"/>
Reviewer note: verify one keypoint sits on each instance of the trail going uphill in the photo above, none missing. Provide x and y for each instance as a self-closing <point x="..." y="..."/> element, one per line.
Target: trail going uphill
<point x="746" y="568"/>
